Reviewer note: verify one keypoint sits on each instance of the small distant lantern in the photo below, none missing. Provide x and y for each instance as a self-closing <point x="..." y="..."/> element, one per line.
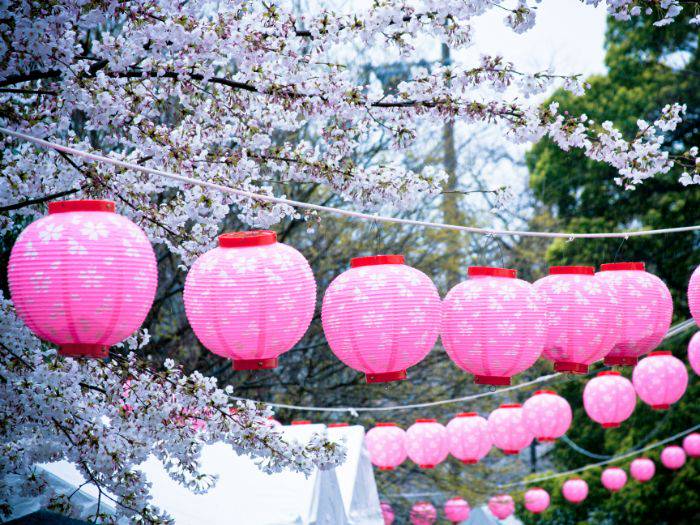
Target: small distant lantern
<point x="426" y="443"/>
<point x="660" y="379"/>
<point x="613" y="478"/>
<point x="547" y="415"/>
<point x="508" y="429"/>
<point x="501" y="506"/>
<point x="468" y="437"/>
<point x="691" y="445"/>
<point x="386" y="444"/>
<point x="536" y="500"/>
<point x="457" y="510"/>
<point x="609" y="399"/>
<point x="423" y="513"/>
<point x="642" y="469"/>
<point x="575" y="490"/>
<point x="673" y="457"/>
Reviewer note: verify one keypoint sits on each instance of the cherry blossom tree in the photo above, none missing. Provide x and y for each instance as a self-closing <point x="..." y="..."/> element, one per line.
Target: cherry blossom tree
<point x="218" y="91"/>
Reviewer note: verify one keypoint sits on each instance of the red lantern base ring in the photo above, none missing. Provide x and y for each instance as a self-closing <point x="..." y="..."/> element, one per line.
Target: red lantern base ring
<point x="619" y="360"/>
<point x="386" y="377"/>
<point x="84" y="350"/>
<point x="386" y="468"/>
<point x="511" y="452"/>
<point x="492" y="380"/>
<point x="426" y="466"/>
<point x="470" y="461"/>
<point x="254" y="364"/>
<point x="546" y="440"/>
<point x="610" y="425"/>
<point x="568" y="366"/>
<point x="663" y="406"/>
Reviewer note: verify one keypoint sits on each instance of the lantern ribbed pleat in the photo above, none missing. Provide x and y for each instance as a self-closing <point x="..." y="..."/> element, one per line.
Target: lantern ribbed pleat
<point x="582" y="317"/>
<point x="251" y="299"/>
<point x="613" y="478"/>
<point x="646" y="307"/>
<point x="493" y="325"/>
<point x="501" y="506"/>
<point x="536" y="500"/>
<point x="694" y="295"/>
<point x="694" y="353"/>
<point x="673" y="457"/>
<point x="457" y="510"/>
<point x="468" y="437"/>
<point x="386" y="444"/>
<point x="423" y="513"/>
<point x="82" y="277"/>
<point x="547" y="415"/>
<point x="381" y="317"/>
<point x="426" y="443"/>
<point x="575" y="490"/>
<point x="609" y="399"/>
<point x="508" y="429"/>
<point x="660" y="379"/>
<point x="642" y="469"/>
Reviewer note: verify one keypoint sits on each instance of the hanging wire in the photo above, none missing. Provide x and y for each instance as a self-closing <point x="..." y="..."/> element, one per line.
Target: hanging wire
<point x="326" y="209"/>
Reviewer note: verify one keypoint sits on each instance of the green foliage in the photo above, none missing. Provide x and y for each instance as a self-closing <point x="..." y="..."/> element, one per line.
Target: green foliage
<point x="581" y="195"/>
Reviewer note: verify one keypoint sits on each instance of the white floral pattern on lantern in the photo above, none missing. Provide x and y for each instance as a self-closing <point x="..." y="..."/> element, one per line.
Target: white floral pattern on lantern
<point x="660" y="379"/>
<point x="547" y="415"/>
<point x="426" y="443"/>
<point x="468" y="437"/>
<point x="508" y="430"/>
<point x="386" y="444"/>
<point x="609" y="399"/>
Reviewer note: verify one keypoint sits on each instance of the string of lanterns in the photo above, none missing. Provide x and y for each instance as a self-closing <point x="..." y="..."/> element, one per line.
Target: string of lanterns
<point x="84" y="278"/>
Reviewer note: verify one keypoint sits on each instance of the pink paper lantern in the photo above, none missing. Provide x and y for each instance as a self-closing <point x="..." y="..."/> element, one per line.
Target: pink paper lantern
<point x="660" y="379"/>
<point x="694" y="353"/>
<point x="423" y="513"/>
<point x="575" y="490"/>
<point x="387" y="513"/>
<point x="536" y="500"/>
<point x="609" y="399"/>
<point x="508" y="430"/>
<point x="457" y="510"/>
<point x="468" y="437"/>
<point x="646" y="307"/>
<point x="493" y="325"/>
<point x="501" y="506"/>
<point x="426" y="443"/>
<point x="381" y="317"/>
<point x="582" y="317"/>
<point x="691" y="445"/>
<point x="82" y="277"/>
<point x="613" y="478"/>
<point x="673" y="457"/>
<point x="547" y="415"/>
<point x="694" y="296"/>
<point x="250" y="299"/>
<point x="386" y="444"/>
<point x="642" y="469"/>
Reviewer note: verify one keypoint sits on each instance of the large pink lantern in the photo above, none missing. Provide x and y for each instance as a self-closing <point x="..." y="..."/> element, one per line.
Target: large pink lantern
<point x="386" y="443"/>
<point x="609" y="399"/>
<point x="501" y="506"/>
<point x="694" y="353"/>
<point x="536" y="500"/>
<point x="547" y="415"/>
<point x="423" y="513"/>
<point x="582" y="317"/>
<point x="691" y="445"/>
<point x="508" y="430"/>
<point x="660" y="379"/>
<point x="250" y="299"/>
<point x="694" y="295"/>
<point x="575" y="490"/>
<point x="381" y="317"/>
<point x="468" y="437"/>
<point x="387" y="513"/>
<point x="673" y="457"/>
<point x="426" y="443"/>
<point x="82" y="277"/>
<point x="646" y="307"/>
<point x="493" y="325"/>
<point x="642" y="469"/>
<point x="613" y="478"/>
<point x="457" y="510"/>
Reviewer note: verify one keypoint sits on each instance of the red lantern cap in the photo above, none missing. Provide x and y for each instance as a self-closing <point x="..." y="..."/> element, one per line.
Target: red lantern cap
<point x="426" y="420"/>
<point x="511" y="405"/>
<point x="387" y="424"/>
<point x="489" y="271"/>
<point x="609" y="373"/>
<point x="660" y="352"/>
<point x="301" y="422"/>
<point x="569" y="270"/>
<point x="338" y="425"/>
<point x="81" y="205"/>
<point x="373" y="260"/>
<point x="611" y="267"/>
<point x="467" y="414"/>
<point x="545" y="392"/>
<point x="246" y="239"/>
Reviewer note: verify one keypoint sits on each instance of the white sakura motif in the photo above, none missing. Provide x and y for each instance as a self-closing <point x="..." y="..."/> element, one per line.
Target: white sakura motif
<point x="51" y="232"/>
<point x="94" y="230"/>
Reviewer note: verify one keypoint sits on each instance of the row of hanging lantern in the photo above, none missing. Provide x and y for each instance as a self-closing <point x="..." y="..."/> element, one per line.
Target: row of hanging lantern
<point x="469" y="437"/>
<point x="84" y="278"/>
